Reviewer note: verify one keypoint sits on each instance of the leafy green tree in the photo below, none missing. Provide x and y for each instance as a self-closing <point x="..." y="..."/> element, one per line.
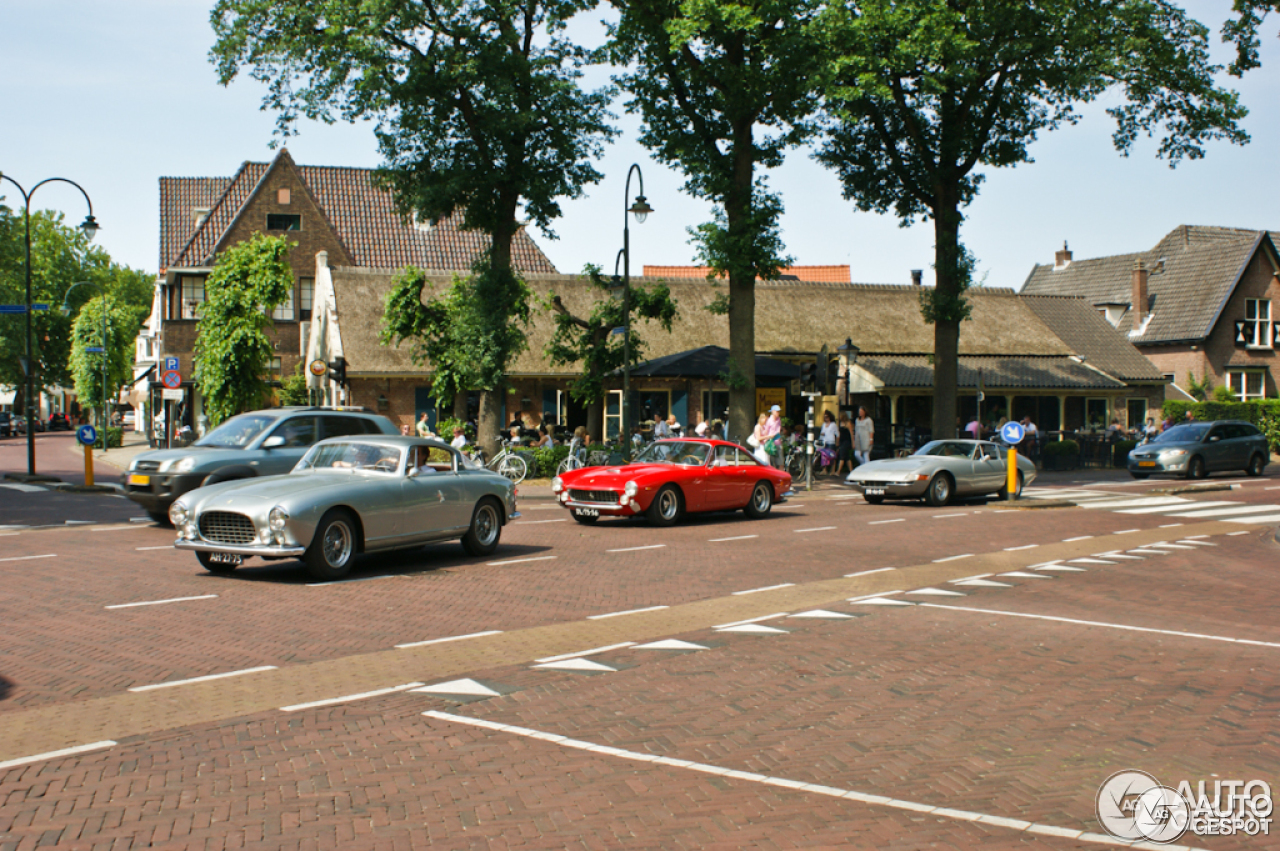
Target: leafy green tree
<point x="923" y="95"/>
<point x="232" y="351"/>
<point x="465" y="333"/>
<point x="123" y="322"/>
<point x="60" y="257"/>
<point x="1242" y="31"/>
<point x="478" y="108"/>
<point x="724" y="89"/>
<point x="293" y="390"/>
<point x="1200" y="388"/>
<point x="590" y="341"/>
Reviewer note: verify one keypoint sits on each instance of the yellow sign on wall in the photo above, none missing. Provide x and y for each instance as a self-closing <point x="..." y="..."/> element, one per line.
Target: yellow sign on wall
<point x="767" y="397"/>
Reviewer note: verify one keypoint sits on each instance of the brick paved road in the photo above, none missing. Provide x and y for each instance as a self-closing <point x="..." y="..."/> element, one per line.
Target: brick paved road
<point x="1006" y="717"/>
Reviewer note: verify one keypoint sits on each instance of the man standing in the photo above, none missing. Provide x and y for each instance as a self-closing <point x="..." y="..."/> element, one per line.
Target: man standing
<point x="772" y="428"/>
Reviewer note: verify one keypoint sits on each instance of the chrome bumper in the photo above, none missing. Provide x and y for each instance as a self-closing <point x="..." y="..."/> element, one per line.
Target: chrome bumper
<point x="602" y="507"/>
<point x="242" y="550"/>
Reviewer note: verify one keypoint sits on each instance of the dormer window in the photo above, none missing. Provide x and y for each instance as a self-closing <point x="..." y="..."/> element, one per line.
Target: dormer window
<point x="284" y="221"/>
<point x="199" y="214"/>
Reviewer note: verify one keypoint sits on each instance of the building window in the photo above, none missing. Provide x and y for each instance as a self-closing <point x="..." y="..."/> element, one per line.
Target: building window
<point x="306" y="293"/>
<point x="1248" y="384"/>
<point x="1096" y="413"/>
<point x="284" y="221"/>
<point x="284" y="310"/>
<point x="1257" y="322"/>
<point x="192" y="295"/>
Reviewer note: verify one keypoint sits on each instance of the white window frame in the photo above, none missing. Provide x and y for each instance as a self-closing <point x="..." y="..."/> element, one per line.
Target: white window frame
<point x="1260" y="308"/>
<point x="191" y="295"/>
<point x="1238" y="381"/>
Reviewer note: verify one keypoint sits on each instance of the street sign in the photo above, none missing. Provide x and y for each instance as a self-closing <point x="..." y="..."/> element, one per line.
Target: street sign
<point x="318" y="367"/>
<point x="87" y="435"/>
<point x="169" y="364"/>
<point x="94" y="350"/>
<point x="172" y="380"/>
<point x="173" y="395"/>
<point x="1013" y="432"/>
<point x="21" y="308"/>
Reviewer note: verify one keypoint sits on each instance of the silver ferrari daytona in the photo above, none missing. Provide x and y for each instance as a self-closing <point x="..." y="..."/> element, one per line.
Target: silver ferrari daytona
<point x="346" y="496"/>
<point x="940" y="471"/>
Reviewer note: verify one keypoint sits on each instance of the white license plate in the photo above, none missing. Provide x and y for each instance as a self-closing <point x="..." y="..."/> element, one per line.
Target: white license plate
<point x="226" y="558"/>
<point x="873" y="491"/>
<point x="586" y="512"/>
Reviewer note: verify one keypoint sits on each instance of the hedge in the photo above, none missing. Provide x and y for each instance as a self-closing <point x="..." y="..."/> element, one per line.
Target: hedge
<point x="1264" y="413"/>
<point x="114" y="436"/>
<point x="1060" y="455"/>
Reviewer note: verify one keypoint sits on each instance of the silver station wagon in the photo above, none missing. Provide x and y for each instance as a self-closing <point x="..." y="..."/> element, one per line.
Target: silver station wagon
<point x="348" y="496"/>
<point x="1196" y="449"/>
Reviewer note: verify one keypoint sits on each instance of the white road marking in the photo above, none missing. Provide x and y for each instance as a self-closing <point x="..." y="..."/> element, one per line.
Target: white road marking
<point x="518" y="560"/>
<point x="43" y="757"/>
<point x="109" y="528"/>
<point x="349" y="697"/>
<point x="735" y="538"/>
<point x="765" y="588"/>
<point x="936" y="592"/>
<point x="29" y="558"/>
<point x="1277" y="488"/>
<point x="1270" y="518"/>
<point x="1162" y="545"/>
<point x="1188" y="504"/>
<point x="1108" y="625"/>
<point x="139" y="519"/>
<point x="1140" y="502"/>
<point x="1233" y="534"/>
<point x="894" y="520"/>
<point x="975" y="576"/>
<point x="77" y="522"/>
<point x="448" y="638"/>
<point x="465" y="687"/>
<point x="1090" y="561"/>
<point x="1023" y="547"/>
<point x="815" y="529"/>
<point x="753" y="629"/>
<point x="590" y="652"/>
<point x="532" y="522"/>
<point x="634" y="549"/>
<point x="23" y="488"/>
<point x="1119" y="555"/>
<point x="205" y="679"/>
<point x="940" y="516"/>
<point x="868" y="572"/>
<point x="1080" y="538"/>
<point x="1126" y="531"/>
<point x="768" y="780"/>
<point x="789" y="505"/>
<point x="670" y="644"/>
<point x="144" y="549"/>
<point x="1171" y="525"/>
<point x="1196" y="537"/>
<point x="823" y="613"/>
<point x="983" y="583"/>
<point x="627" y="612"/>
<point x="873" y="596"/>
<point x="1149" y="552"/>
<point x="1067" y="569"/>
<point x="881" y="601"/>
<point x="1025" y="575"/>
<point x="345" y="581"/>
<point x="161" y="602"/>
<point x="1223" y="512"/>
<point x="773" y="616"/>
<point x="577" y="664"/>
<point x="952" y="558"/>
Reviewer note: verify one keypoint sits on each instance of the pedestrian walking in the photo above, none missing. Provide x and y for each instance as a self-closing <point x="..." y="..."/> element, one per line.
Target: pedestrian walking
<point x="864" y="433"/>
<point x="844" y="446"/>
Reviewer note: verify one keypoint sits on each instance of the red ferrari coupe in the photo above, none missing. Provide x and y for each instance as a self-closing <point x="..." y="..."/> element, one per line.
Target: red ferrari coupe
<point x="672" y="477"/>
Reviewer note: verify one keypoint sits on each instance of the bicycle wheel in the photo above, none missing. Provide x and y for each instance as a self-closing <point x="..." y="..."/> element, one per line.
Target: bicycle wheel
<point x="514" y="468"/>
<point x="570" y="462"/>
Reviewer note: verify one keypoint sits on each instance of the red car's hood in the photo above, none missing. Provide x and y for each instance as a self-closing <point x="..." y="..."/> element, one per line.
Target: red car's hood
<point x="619" y="476"/>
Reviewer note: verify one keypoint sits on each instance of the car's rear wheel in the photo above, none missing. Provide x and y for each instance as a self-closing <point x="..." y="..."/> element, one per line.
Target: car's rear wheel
<point x="761" y="501"/>
<point x="666" y="506"/>
<point x="1003" y="495"/>
<point x="939" y="491"/>
<point x="1195" y="468"/>
<point x="333" y="548"/>
<point x="486" y="529"/>
<point x="1256" y="465"/>
<point x="221" y="568"/>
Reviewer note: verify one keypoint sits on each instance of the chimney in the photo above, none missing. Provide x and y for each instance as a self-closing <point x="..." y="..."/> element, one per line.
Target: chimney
<point x="1062" y="259"/>
<point x="917" y="277"/>
<point x="1139" y="294"/>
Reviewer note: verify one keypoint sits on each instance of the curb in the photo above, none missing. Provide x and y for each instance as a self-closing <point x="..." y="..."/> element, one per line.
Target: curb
<point x="36" y="479"/>
<point x="1034" y="504"/>
<point x="69" y="488"/>
<point x="1192" y="489"/>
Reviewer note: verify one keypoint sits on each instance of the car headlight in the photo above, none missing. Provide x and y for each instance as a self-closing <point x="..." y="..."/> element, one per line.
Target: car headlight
<point x="1173" y="453"/>
<point x="557" y="485"/>
<point x="631" y="489"/>
<point x="133" y="465"/>
<point x="277" y="518"/>
<point x="179" y="514"/>
<point x="182" y="465"/>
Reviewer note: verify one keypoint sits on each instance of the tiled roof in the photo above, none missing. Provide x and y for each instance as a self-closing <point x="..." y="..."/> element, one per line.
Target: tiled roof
<point x="362" y="214"/>
<point x="1046" y="373"/>
<point x="1192" y="272"/>
<point x="814" y="274"/>
<point x="1079" y="325"/>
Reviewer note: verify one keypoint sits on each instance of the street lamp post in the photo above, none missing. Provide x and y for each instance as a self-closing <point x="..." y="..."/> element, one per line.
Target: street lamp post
<point x="641" y="210"/>
<point x="88" y="227"/>
<point x="66" y="311"/>
<point x="849" y="354"/>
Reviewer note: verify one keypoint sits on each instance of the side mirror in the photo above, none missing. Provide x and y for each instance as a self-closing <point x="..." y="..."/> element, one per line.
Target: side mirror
<point x="1213" y="438"/>
<point x="411" y="473"/>
<point x="273" y="441"/>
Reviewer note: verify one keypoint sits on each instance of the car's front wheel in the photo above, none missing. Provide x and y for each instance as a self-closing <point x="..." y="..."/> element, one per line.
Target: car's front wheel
<point x="761" y="501"/>
<point x="1195" y="468"/>
<point x="486" y="529"/>
<point x="333" y="548"/>
<point x="1256" y="465"/>
<point x="939" y="492"/>
<point x="666" y="507"/>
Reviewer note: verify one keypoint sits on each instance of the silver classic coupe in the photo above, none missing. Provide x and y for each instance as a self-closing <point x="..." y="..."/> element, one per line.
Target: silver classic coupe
<point x="941" y="470"/>
<point x="346" y="496"/>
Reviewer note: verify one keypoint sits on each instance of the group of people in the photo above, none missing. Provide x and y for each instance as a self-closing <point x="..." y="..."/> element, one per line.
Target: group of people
<point x="845" y="442"/>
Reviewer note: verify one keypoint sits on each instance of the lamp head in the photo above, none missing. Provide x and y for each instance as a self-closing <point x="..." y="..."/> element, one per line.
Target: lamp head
<point x="849" y="350"/>
<point x="90" y="227"/>
<point x="641" y="209"/>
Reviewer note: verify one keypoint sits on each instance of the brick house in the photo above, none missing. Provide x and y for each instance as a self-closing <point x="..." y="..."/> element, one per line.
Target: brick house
<point x="1199" y="302"/>
<point x="1055" y="359"/>
<point x="338" y="211"/>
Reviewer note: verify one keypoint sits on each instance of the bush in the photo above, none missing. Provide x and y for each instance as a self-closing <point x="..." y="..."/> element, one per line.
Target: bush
<point x="114" y="436"/>
<point x="1061" y="455"/>
<point x="1252" y="412"/>
<point x="445" y="428"/>
<point x="548" y="459"/>
<point x="1120" y="452"/>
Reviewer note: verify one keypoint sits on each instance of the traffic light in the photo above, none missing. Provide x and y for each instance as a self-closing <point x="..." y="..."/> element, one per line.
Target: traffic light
<point x="808" y="376"/>
<point x="823" y="369"/>
<point x="338" y="370"/>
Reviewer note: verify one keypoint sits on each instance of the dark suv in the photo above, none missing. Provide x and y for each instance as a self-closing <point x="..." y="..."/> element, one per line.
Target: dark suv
<point x="261" y="443"/>
<point x="1195" y="449"/>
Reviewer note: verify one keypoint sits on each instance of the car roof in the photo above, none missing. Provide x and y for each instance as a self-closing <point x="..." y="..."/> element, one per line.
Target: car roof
<point x="398" y="440"/>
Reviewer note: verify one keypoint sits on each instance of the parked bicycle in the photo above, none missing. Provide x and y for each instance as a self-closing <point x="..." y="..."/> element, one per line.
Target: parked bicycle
<point x="576" y="459"/>
<point x="505" y="463"/>
<point x="797" y="462"/>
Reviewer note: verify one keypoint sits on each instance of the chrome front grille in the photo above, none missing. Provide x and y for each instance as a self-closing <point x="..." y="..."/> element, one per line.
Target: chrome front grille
<point x="146" y="467"/>
<point x="593" y="496"/>
<point x="226" y="527"/>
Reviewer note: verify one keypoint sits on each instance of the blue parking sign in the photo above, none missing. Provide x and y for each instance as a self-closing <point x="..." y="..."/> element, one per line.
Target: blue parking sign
<point x="169" y="364"/>
<point x="1012" y="432"/>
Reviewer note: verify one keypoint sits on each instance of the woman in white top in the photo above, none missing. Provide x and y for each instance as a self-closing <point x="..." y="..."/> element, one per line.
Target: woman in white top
<point x="459" y="438"/>
<point x="864" y="432"/>
<point x="830" y="435"/>
<point x="758" y="439"/>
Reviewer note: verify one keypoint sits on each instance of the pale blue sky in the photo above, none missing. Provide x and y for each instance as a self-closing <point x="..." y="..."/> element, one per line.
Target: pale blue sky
<point x="115" y="95"/>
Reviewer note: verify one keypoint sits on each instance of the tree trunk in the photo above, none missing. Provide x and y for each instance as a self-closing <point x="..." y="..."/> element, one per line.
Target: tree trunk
<point x="488" y="427"/>
<point x="742" y="293"/>
<point x="488" y="424"/>
<point x="946" y="329"/>
<point x="460" y="406"/>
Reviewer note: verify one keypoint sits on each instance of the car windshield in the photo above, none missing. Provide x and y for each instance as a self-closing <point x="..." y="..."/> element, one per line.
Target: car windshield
<point x="1184" y="433"/>
<point x="946" y="449"/>
<point x="684" y="453"/>
<point x="238" y="432"/>
<point x="351" y="456"/>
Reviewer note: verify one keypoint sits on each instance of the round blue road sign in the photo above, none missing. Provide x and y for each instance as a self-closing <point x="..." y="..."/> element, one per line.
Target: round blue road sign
<point x="87" y="435"/>
<point x="1013" y="432"/>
